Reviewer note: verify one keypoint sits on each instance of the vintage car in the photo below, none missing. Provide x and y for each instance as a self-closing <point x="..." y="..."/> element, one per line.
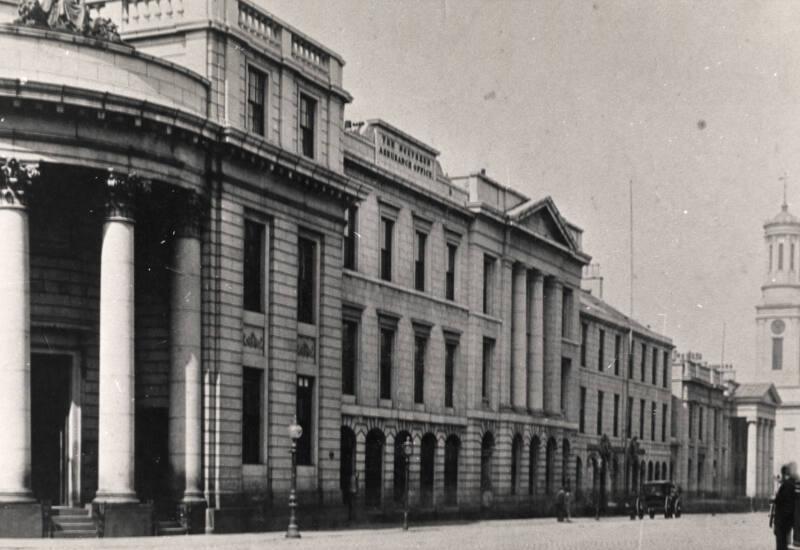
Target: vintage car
<point x="657" y="496"/>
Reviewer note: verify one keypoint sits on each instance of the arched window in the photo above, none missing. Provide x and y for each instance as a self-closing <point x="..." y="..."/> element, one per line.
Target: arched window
<point x="452" y="448"/>
<point x="550" y="465"/>
<point x="565" y="462"/>
<point x="487" y="452"/>
<point x="373" y="467"/>
<point x="516" y="460"/>
<point x="533" y="466"/>
<point x="427" y="459"/>
<point x="347" y="461"/>
<point x="658" y="471"/>
<point x="650" y="471"/>
<point x="400" y="466"/>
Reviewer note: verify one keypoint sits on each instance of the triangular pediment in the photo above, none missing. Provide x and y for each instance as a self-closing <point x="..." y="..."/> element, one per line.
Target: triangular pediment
<point x="542" y="218"/>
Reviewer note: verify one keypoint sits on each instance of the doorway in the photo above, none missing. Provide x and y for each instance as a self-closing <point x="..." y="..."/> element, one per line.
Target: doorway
<point x="52" y="439"/>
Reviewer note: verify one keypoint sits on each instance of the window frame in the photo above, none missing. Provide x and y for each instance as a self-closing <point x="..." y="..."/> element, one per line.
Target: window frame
<point x="487" y="367"/>
<point x="387" y="323"/>
<point x="450" y="271"/>
<point x="252" y="69"/>
<point x="350" y="238"/>
<point x="420" y="259"/>
<point x="386" y="236"/>
<point x="260" y="277"/>
<point x="301" y="142"/>
<point x="451" y="342"/>
<point x="601" y="352"/>
<point x="308" y="435"/>
<point x="600" y="404"/>
<point x="489" y="278"/>
<point x="258" y="430"/>
<point x="315" y="279"/>
<point x="582" y="411"/>
<point x="352" y="315"/>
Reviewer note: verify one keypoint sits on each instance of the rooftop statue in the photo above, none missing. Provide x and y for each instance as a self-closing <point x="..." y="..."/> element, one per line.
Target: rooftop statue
<point x="66" y="15"/>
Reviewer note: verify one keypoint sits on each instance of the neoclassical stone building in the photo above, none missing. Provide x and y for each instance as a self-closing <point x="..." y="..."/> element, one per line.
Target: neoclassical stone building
<point x="197" y="251"/>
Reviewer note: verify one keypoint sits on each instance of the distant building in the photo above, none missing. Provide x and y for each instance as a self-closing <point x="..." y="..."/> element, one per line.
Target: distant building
<point x="624" y="416"/>
<point x="722" y="435"/>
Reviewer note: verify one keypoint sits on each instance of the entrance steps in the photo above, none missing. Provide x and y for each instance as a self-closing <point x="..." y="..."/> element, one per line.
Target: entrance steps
<point x="169" y="527"/>
<point x="72" y="523"/>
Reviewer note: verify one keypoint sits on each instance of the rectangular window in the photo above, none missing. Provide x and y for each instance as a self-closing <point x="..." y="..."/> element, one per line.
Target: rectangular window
<point x="653" y="413"/>
<point x="667" y="369"/>
<point x="488" y="281"/>
<point x="350" y="240"/>
<point x="654" y="372"/>
<point x="566" y="313"/>
<point x="386" y="356"/>
<point x="644" y="361"/>
<point x="486" y="368"/>
<point x="777" y="353"/>
<point x="700" y="423"/>
<point x="664" y="413"/>
<point x="641" y="419"/>
<point x="253" y="268"/>
<point x="251" y="415"/>
<point x="419" y="261"/>
<point x="630" y="359"/>
<point x="420" y="346"/>
<point x="600" y="397"/>
<point x="306" y="280"/>
<point x="256" y="100"/>
<point x="691" y="420"/>
<point x="449" y="372"/>
<point x="349" y="356"/>
<point x="308" y="115"/>
<point x="601" y="352"/>
<point x="582" y="412"/>
<point x="450" y="276"/>
<point x="780" y="256"/>
<point x="387" y="230"/>
<point x="305" y="418"/>
<point x="629" y="418"/>
<point x="716" y="426"/>
<point x="616" y="415"/>
<point x="584" y="342"/>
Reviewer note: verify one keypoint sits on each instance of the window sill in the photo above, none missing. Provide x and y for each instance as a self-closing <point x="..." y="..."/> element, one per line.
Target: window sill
<point x="385" y="403"/>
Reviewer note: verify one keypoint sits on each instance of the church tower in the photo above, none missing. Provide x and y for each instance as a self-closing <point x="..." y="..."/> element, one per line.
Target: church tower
<point x="778" y="314"/>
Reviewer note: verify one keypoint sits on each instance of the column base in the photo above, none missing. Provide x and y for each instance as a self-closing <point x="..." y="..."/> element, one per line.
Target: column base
<point x="21" y="520"/>
<point x="118" y="519"/>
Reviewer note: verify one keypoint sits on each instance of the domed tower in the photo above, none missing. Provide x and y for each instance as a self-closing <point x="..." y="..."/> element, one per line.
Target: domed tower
<point x="778" y="314"/>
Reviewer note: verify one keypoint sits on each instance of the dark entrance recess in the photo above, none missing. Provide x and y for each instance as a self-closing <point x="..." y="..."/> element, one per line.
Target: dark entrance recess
<point x="373" y="468"/>
<point x="347" y="455"/>
<point x="51" y="377"/>
<point x="152" y="454"/>
<point x="427" y="457"/>
<point x="451" y="449"/>
<point x="400" y="467"/>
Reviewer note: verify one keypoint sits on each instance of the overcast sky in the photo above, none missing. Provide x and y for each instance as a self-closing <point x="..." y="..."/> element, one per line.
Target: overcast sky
<point x="696" y="102"/>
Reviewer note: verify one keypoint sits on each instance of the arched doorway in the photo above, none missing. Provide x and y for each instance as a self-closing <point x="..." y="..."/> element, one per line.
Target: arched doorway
<point x="399" y="487"/>
<point x="650" y="471"/>
<point x="516" y="460"/>
<point x="642" y="473"/>
<point x="549" y="465"/>
<point x="487" y="452"/>
<point x="657" y="473"/>
<point x="452" y="446"/>
<point x="347" y="462"/>
<point x="578" y="475"/>
<point x="373" y="467"/>
<point x="426" y="474"/>
<point x="565" y="451"/>
<point x="615" y="476"/>
<point x="533" y="466"/>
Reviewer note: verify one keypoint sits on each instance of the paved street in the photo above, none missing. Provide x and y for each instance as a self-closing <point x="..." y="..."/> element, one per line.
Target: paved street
<point x="732" y="531"/>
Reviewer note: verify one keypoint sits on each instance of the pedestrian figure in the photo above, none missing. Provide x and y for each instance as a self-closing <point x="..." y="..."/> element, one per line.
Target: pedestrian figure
<point x="568" y="503"/>
<point x="561" y="497"/>
<point x="784" y="508"/>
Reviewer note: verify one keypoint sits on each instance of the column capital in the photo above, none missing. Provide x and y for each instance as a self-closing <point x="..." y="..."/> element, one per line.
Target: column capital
<point x="15" y="182"/>
<point x="122" y="190"/>
<point x="189" y="210"/>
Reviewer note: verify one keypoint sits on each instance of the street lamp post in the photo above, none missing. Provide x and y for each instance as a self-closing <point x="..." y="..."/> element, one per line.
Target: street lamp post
<point x="408" y="449"/>
<point x="293" y="531"/>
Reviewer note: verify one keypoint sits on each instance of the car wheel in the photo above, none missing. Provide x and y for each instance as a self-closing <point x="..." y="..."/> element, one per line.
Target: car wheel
<point x="678" y="509"/>
<point x="640" y="508"/>
<point x="666" y="508"/>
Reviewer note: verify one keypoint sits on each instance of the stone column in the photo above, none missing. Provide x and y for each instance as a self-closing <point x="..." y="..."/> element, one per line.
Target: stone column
<point x="505" y="357"/>
<point x="752" y="454"/>
<point x="185" y="391"/>
<point x="519" y="337"/>
<point x="388" y="469"/>
<point x="771" y="461"/>
<point x="15" y="374"/>
<point x="361" y="456"/>
<point x="115" y="461"/>
<point x="536" y="345"/>
<point x="552" y="346"/>
<point x="438" y="473"/>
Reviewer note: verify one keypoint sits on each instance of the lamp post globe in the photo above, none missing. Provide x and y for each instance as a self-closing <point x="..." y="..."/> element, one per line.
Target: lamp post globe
<point x="295" y="433"/>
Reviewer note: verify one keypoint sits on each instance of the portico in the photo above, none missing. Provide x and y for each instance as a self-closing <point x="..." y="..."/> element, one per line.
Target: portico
<point x="756" y="405"/>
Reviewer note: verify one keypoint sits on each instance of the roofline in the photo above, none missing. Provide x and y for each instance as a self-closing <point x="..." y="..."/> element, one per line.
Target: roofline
<point x="388" y="126"/>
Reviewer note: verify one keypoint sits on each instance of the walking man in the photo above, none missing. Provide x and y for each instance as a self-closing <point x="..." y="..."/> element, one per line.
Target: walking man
<point x="561" y="498"/>
<point x="784" y="509"/>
